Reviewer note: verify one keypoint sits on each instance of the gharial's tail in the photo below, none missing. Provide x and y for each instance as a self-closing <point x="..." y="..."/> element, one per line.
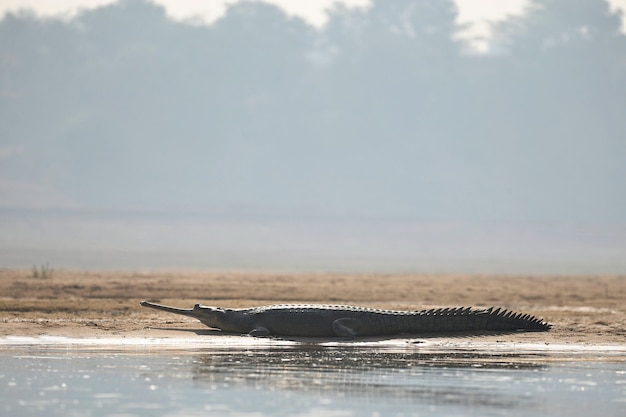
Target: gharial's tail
<point x="183" y="311"/>
<point x="502" y="319"/>
<point x="468" y="319"/>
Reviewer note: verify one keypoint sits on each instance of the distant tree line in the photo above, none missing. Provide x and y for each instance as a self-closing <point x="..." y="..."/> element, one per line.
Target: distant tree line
<point x="382" y="112"/>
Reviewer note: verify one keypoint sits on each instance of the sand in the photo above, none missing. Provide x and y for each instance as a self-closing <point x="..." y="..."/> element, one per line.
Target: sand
<point x="587" y="312"/>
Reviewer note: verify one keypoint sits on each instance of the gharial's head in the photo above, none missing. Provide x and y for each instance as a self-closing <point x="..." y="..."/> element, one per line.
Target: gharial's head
<point x="209" y="316"/>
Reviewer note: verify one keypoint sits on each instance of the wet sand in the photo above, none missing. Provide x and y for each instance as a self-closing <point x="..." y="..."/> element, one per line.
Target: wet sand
<point x="587" y="312"/>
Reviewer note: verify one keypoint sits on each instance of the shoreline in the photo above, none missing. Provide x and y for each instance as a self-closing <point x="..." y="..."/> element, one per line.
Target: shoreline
<point x="466" y="350"/>
<point x="588" y="313"/>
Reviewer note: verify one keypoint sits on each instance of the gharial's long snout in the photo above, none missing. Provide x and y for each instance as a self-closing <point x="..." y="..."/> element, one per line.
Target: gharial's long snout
<point x="183" y="311"/>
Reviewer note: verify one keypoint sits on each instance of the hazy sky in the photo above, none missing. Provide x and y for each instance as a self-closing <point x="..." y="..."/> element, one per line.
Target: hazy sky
<point x="312" y="10"/>
<point x="475" y="11"/>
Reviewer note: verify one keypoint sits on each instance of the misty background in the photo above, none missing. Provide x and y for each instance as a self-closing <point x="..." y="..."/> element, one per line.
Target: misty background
<point x="381" y="141"/>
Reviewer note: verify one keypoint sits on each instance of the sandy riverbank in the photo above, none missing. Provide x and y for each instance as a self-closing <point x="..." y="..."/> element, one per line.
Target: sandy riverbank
<point x="584" y="310"/>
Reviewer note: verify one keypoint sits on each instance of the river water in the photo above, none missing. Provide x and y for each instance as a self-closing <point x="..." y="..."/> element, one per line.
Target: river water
<point x="302" y="380"/>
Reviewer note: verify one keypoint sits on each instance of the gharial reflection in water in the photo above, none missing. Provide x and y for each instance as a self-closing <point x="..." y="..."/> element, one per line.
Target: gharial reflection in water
<point x="370" y="375"/>
<point x="306" y="380"/>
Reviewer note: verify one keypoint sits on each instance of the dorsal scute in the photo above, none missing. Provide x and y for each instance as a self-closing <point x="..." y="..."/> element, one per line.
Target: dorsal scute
<point x="444" y="311"/>
<point x="327" y="307"/>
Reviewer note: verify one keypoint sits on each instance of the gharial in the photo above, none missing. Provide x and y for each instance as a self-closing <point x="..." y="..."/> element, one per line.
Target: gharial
<point x="311" y="320"/>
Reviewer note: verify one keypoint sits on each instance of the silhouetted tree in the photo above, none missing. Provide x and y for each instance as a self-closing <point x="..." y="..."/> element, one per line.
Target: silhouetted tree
<point x="395" y="81"/>
<point x="561" y="86"/>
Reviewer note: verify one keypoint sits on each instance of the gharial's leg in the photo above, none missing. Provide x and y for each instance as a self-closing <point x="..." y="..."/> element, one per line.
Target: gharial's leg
<point x="346" y="327"/>
<point x="259" y="332"/>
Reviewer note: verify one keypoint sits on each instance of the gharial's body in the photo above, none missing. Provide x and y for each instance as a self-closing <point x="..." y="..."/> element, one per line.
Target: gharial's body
<point x="350" y="321"/>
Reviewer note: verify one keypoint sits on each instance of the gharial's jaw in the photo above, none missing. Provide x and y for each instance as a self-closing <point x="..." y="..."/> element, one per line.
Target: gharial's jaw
<point x="195" y="312"/>
<point x="209" y="316"/>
